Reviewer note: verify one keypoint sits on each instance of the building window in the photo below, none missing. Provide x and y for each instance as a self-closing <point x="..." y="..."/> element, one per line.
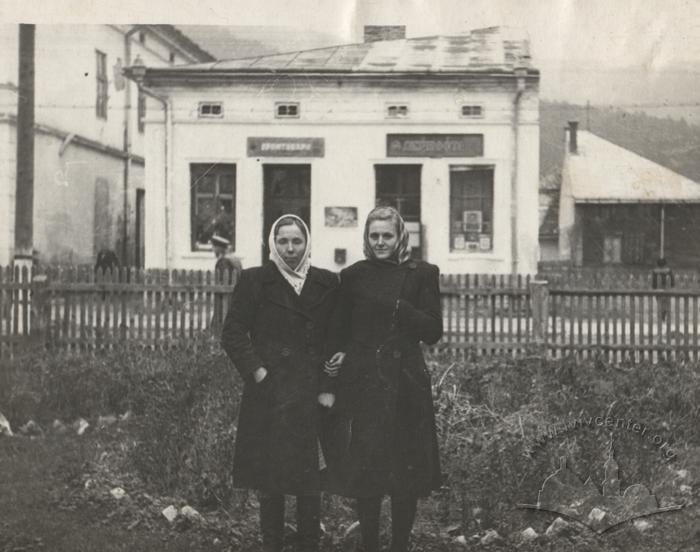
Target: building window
<point x="471" y="209"/>
<point x="213" y="189"/>
<point x="394" y="111"/>
<point x="472" y="111"/>
<point x="101" y="72"/>
<point x="211" y="109"/>
<point x="612" y="248"/>
<point x="141" y="111"/>
<point x="287" y="110"/>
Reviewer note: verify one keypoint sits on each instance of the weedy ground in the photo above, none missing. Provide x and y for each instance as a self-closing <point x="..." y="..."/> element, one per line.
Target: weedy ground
<point x="496" y="419"/>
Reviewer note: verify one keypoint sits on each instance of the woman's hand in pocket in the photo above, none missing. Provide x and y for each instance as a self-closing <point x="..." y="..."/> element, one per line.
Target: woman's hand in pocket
<point x="260" y="374"/>
<point x="326" y="399"/>
<point x="332" y="365"/>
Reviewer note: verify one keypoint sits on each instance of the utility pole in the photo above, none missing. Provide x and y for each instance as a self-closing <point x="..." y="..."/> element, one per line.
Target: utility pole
<point x="24" y="195"/>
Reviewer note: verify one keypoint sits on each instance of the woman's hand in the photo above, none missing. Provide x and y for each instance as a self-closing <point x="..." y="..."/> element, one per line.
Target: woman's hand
<point x="259" y="374"/>
<point x="326" y="399"/>
<point x="332" y="365"/>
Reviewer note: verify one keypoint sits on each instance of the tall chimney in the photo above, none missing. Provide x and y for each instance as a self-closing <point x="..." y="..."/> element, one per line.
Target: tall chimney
<point x="375" y="33"/>
<point x="573" y="137"/>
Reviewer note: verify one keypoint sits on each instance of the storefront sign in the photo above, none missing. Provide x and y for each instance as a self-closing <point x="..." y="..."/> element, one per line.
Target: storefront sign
<point x="285" y="147"/>
<point x="434" y="145"/>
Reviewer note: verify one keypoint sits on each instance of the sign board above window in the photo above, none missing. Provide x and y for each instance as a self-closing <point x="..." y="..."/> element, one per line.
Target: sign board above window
<point x="285" y="147"/>
<point x="434" y="145"/>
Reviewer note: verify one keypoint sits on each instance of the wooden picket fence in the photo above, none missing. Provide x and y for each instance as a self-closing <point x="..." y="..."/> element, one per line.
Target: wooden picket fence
<point x="77" y="309"/>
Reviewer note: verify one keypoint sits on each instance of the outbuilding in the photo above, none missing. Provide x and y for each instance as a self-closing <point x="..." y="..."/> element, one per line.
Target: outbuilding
<point x="617" y="208"/>
<point x="445" y="128"/>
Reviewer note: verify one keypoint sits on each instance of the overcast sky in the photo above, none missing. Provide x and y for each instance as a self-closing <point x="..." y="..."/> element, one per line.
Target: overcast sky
<point x="610" y="32"/>
<point x="567" y="36"/>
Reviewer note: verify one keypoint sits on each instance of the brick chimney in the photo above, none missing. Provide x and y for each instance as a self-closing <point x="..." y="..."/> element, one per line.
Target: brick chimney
<point x="375" y="33"/>
<point x="573" y="137"/>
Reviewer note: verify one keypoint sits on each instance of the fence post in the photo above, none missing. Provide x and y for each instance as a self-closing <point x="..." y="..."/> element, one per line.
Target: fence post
<point x="39" y="320"/>
<point x="539" y="299"/>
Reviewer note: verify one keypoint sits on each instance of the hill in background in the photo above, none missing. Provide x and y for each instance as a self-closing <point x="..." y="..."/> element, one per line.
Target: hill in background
<point x="669" y="142"/>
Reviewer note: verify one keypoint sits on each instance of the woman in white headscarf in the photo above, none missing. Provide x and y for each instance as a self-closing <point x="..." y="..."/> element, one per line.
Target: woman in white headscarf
<point x="275" y="334"/>
<point x="386" y="440"/>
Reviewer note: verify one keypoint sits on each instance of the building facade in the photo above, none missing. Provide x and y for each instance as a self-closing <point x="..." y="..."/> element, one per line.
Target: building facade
<point x="617" y="208"/>
<point x="89" y="140"/>
<point x="444" y="128"/>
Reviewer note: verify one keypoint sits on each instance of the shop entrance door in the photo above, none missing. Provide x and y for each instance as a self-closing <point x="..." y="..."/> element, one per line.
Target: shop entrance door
<point x="398" y="186"/>
<point x="287" y="190"/>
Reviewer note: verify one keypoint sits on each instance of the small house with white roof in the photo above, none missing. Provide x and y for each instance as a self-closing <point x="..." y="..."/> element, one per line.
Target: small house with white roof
<point x="618" y="208"/>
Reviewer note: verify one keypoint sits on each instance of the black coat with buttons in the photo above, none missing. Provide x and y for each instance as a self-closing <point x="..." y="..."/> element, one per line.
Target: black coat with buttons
<point x="385" y="439"/>
<point x="269" y="325"/>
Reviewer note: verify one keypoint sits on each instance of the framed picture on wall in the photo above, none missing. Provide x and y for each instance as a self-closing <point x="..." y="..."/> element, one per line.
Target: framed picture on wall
<point x="341" y="217"/>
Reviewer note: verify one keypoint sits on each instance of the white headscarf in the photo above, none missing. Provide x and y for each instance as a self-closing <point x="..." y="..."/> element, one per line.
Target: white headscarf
<point x="296" y="277"/>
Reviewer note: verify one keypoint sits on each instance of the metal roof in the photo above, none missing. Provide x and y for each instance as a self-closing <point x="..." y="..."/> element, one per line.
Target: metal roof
<point x="603" y="172"/>
<point x="494" y="49"/>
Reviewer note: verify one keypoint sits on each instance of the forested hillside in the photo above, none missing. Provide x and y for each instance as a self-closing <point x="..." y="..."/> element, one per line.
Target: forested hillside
<point x="672" y="143"/>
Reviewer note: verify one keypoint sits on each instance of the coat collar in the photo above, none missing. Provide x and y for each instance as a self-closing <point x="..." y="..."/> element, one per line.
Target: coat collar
<point x="280" y="292"/>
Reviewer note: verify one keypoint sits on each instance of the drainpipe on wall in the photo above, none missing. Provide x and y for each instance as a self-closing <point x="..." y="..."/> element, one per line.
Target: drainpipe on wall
<point x="520" y="74"/>
<point x="138" y="71"/>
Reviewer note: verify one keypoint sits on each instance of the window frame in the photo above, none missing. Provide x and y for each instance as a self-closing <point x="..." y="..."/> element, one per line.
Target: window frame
<point x="101" y="85"/>
<point x="464" y="198"/>
<point x="480" y="115"/>
<point x="198" y="169"/>
<point x="398" y="106"/>
<point x="279" y="105"/>
<point x="202" y="105"/>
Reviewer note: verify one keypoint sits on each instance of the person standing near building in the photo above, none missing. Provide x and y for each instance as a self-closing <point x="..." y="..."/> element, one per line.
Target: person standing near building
<point x="662" y="279"/>
<point x="385" y="441"/>
<point x="275" y="333"/>
<point x="227" y="267"/>
<point x="226" y="271"/>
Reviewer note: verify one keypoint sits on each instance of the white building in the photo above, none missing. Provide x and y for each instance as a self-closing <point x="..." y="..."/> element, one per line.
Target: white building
<point x="89" y="145"/>
<point x="445" y="128"/>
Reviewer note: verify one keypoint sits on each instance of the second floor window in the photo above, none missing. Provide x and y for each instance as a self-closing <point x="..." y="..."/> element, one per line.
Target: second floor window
<point x="472" y="111"/>
<point x="397" y="111"/>
<point x="101" y="75"/>
<point x="287" y="110"/>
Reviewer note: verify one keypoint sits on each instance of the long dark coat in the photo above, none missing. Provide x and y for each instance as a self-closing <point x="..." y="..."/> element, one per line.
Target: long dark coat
<point x="385" y="439"/>
<point x="278" y="425"/>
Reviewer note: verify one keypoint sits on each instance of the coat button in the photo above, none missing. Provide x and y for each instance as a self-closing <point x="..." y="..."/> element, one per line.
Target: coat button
<point x="397" y="354"/>
<point x="286" y="352"/>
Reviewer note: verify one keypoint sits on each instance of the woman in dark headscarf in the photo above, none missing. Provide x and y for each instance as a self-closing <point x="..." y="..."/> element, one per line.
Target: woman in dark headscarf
<point x="387" y="444"/>
<point x="275" y="334"/>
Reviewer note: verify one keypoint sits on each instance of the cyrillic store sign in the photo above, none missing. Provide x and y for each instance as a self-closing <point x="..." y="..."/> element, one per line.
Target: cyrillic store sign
<point x="434" y="145"/>
<point x="285" y="147"/>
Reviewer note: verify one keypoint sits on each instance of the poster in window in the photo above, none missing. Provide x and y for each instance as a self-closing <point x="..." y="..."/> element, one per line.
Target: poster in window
<point x="471" y="221"/>
<point x="485" y="242"/>
<point x="471" y="236"/>
<point x="458" y="242"/>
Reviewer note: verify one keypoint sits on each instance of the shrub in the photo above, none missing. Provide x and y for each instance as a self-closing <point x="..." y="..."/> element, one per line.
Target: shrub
<point x="185" y="437"/>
